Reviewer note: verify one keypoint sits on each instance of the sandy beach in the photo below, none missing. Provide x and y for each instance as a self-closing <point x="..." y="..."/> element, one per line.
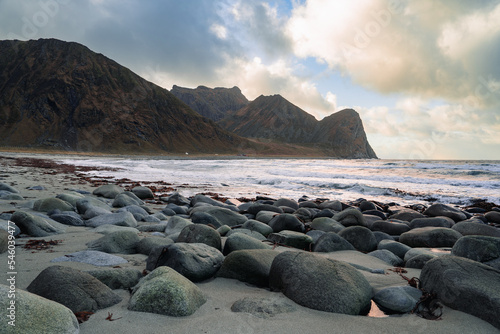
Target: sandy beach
<point x="215" y="315"/>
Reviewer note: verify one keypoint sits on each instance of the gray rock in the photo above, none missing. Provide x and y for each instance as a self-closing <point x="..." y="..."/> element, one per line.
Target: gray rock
<point x="473" y="228"/>
<point x="395" y="247"/>
<point x="367" y="205"/>
<point x="178" y="199"/>
<point x="433" y="221"/>
<point x="224" y="216"/>
<point x="224" y="230"/>
<point x="333" y="205"/>
<point x="430" y="237"/>
<point x="82" y="205"/>
<point x="350" y="217"/>
<point x="95" y="258"/>
<point x="11" y="197"/>
<point x="250" y="233"/>
<point x="134" y="209"/>
<point x="308" y="204"/>
<point x="69" y="218"/>
<point x="332" y="242"/>
<point x="205" y="219"/>
<point x="36" y="226"/>
<point x="390" y="226"/>
<point x="95" y="211"/>
<point x="175" y="225"/>
<point x="286" y="221"/>
<point x="382" y="236"/>
<point x="35" y="314"/>
<point x="108" y="191"/>
<point x="164" y="291"/>
<point x="197" y="233"/>
<point x="70" y="197"/>
<point x="407" y="215"/>
<point x="196" y="262"/>
<point x="107" y="229"/>
<point x="6" y="187"/>
<point x="315" y="235"/>
<point x="304" y="214"/>
<point x="123" y="242"/>
<point x="493" y="217"/>
<point x="320" y="283"/>
<point x="73" y="288"/>
<point x="397" y="299"/>
<point x="387" y="256"/>
<point x="286" y="202"/>
<point x="257" y="226"/>
<point x="326" y="224"/>
<point x="240" y="241"/>
<point x="248" y="265"/>
<point x="477" y="247"/>
<point x="292" y="239"/>
<point x="464" y="285"/>
<point x="117" y="278"/>
<point x="147" y="244"/>
<point x="360" y="237"/>
<point x="263" y="307"/>
<point x="419" y="261"/>
<point x="265" y="216"/>
<point x="125" y="199"/>
<point x="430" y="251"/>
<point x="436" y="210"/>
<point x="52" y="203"/>
<point x="119" y="219"/>
<point x="199" y="198"/>
<point x="256" y="207"/>
<point x="143" y="192"/>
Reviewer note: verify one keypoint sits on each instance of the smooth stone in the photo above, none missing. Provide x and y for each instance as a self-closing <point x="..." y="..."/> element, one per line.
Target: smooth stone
<point x="331" y="242"/>
<point x="326" y="224"/>
<point x="433" y="237"/>
<point x="407" y="215"/>
<point x="205" y="219"/>
<point x="108" y="191"/>
<point x="36" y="226"/>
<point x="397" y="299"/>
<point x="419" y="261"/>
<point x="286" y="202"/>
<point x="94" y="212"/>
<point x="134" y="209"/>
<point x="175" y="225"/>
<point x="382" y="236"/>
<point x="333" y="205"/>
<point x="197" y="233"/>
<point x="265" y="216"/>
<point x="263" y="307"/>
<point x="325" y="213"/>
<point x="223" y="230"/>
<point x="315" y="235"/>
<point x="70" y="197"/>
<point x="224" y="216"/>
<point x="387" y="256"/>
<point x="72" y="219"/>
<point x="6" y="187"/>
<point x="257" y="226"/>
<point x="433" y="221"/>
<point x="320" y="283"/>
<point x="74" y="289"/>
<point x="117" y="278"/>
<point x="240" y="241"/>
<point x="11" y="197"/>
<point x="143" y="192"/>
<point x="360" y="237"/>
<point x="286" y="221"/>
<point x="35" y="314"/>
<point x="436" y="210"/>
<point x="178" y="199"/>
<point x="464" y="285"/>
<point x="395" y="247"/>
<point x="256" y="207"/>
<point x="390" y="226"/>
<point x="493" y="217"/>
<point x="292" y="239"/>
<point x="123" y="242"/>
<point x="304" y="214"/>
<point x="430" y="251"/>
<point x="350" y="217"/>
<point x="377" y="213"/>
<point x="82" y="205"/>
<point x="367" y="205"/>
<point x="95" y="258"/>
<point x="474" y="228"/>
<point x="160" y="227"/>
<point x="119" y="219"/>
<point x="308" y="204"/>
<point x="165" y="291"/>
<point x="248" y="265"/>
<point x="196" y="262"/>
<point x="125" y="199"/>
<point x="107" y="228"/>
<point x="250" y="233"/>
<point x="52" y="203"/>
<point x="199" y="198"/>
<point x="477" y="247"/>
<point x="147" y="244"/>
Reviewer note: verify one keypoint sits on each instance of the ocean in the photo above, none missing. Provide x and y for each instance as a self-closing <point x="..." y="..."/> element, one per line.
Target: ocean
<point x="401" y="181"/>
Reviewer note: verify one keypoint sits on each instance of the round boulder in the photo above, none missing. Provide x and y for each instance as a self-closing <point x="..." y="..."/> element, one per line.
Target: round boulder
<point x="286" y="221"/>
<point x="360" y="237"/>
<point x="433" y="237"/>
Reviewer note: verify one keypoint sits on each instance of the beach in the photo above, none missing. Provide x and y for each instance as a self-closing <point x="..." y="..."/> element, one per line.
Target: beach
<point x="37" y="180"/>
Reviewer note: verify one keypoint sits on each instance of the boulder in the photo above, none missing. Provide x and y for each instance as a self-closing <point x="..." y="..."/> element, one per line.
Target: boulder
<point x="476" y="228"/>
<point x="265" y="216"/>
<point x="257" y="226"/>
<point x="239" y="241"/>
<point x="320" y="283"/>
<point x="35" y="314"/>
<point x="431" y="221"/>
<point x="464" y="285"/>
<point x="390" y="226"/>
<point x="256" y="207"/>
<point x="436" y="210"/>
<point x="333" y="205"/>
<point x="315" y="235"/>
<point x="419" y="261"/>
<point x="477" y="247"/>
<point x="117" y="278"/>
<point x="73" y="288"/>
<point x="286" y="221"/>
<point x="197" y="233"/>
<point x="108" y="190"/>
<point x="82" y="205"/>
<point x="118" y="218"/>
<point x="493" y="217"/>
<point x="95" y="211"/>
<point x="263" y="307"/>
<point x="123" y="242"/>
<point x="387" y="256"/>
<point x="250" y="233"/>
<point x="147" y="244"/>
<point x="432" y="237"/>
<point x="196" y="262"/>
<point x="107" y="229"/>
<point x="70" y="197"/>
<point x="248" y="265"/>
<point x="350" y="217"/>
<point x="331" y="242"/>
<point x="52" y="203"/>
<point x="397" y="299"/>
<point x="36" y="226"/>
<point x="407" y="215"/>
<point x="95" y="258"/>
<point x="143" y="192"/>
<point x="395" y="247"/>
<point x="205" y="219"/>
<point x="360" y="237"/>
<point x="68" y="218"/>
<point x="326" y="224"/>
<point x="125" y="199"/>
<point x="178" y="199"/>
<point x="292" y="239"/>
<point x="286" y="202"/>
<point x="367" y="205"/>
<point x="6" y="187"/>
<point x="165" y="291"/>
<point x="224" y="215"/>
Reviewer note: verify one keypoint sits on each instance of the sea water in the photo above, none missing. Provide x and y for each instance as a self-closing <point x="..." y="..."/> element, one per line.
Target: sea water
<point x="400" y="181"/>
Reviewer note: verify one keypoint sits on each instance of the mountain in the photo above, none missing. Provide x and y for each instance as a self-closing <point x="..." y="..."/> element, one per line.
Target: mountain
<point x="211" y="103"/>
<point x="61" y="95"/>
<point x="274" y="118"/>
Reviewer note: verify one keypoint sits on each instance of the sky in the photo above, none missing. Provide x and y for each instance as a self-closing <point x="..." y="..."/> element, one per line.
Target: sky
<point x="423" y="75"/>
